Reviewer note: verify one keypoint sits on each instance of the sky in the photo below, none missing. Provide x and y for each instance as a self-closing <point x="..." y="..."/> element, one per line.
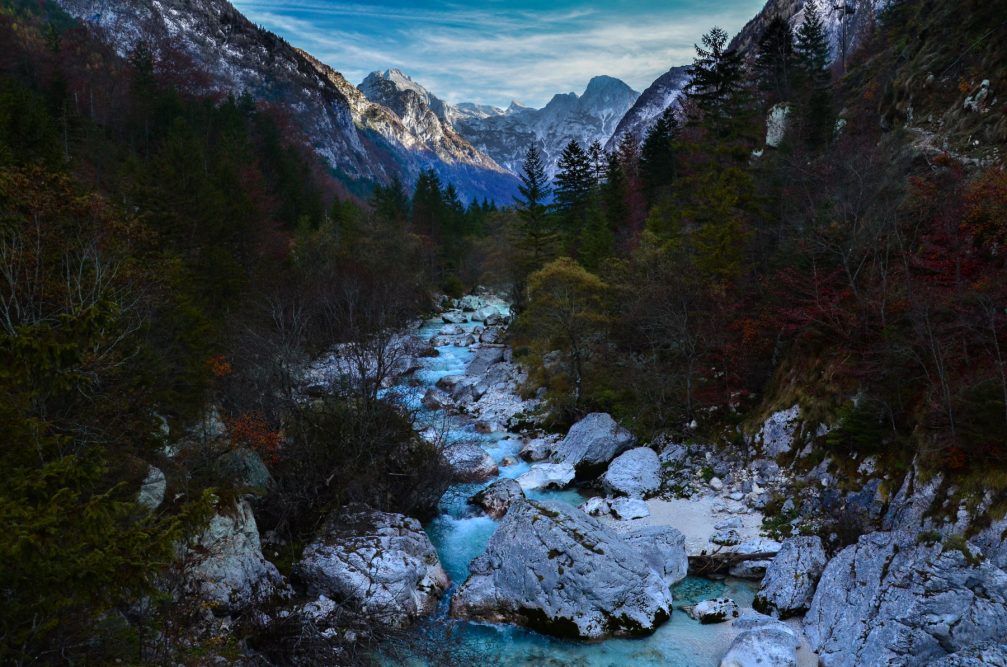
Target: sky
<point x="495" y="51"/>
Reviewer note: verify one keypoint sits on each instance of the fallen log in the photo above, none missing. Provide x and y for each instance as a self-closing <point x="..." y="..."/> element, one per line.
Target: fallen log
<point x="721" y="562"/>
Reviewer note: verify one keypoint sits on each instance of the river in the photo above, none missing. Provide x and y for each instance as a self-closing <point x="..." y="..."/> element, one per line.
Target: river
<point x="461" y="532"/>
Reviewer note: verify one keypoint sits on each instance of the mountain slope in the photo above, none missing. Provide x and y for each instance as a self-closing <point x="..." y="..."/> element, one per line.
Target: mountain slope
<point x="506" y="135"/>
<point x="661" y="94"/>
<point x="859" y="18"/>
<point x="362" y="142"/>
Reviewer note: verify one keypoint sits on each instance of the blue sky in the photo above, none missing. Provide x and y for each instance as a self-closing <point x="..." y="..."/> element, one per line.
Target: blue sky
<point x="497" y="50"/>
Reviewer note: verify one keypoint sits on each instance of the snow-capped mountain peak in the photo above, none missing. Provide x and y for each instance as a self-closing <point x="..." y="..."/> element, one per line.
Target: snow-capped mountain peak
<point x="591" y="116"/>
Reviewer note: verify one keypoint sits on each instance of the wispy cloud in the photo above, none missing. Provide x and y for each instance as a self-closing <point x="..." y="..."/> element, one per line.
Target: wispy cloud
<point x="500" y="50"/>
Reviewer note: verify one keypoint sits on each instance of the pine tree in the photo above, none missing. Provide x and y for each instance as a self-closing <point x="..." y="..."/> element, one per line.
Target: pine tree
<point x="596" y="156"/>
<point x="775" y="60"/>
<point x="717" y="84"/>
<point x="812" y="45"/>
<point x="390" y="203"/>
<point x="657" y="156"/>
<point x="428" y="205"/>
<point x="596" y="239"/>
<point x="537" y="236"/>
<point x="812" y="49"/>
<point x="574" y="184"/>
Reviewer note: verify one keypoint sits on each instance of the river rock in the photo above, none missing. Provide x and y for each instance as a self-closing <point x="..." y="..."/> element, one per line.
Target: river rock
<point x="485" y="357"/>
<point x="628" y="509"/>
<point x="726" y="538"/>
<point x="470" y="303"/>
<point x="225" y="564"/>
<point x="635" y="473"/>
<point x="484" y="313"/>
<point x="763" y="642"/>
<point x="451" y="330"/>
<point x="789" y="583"/>
<point x="152" y="489"/>
<point x="754" y="569"/>
<point x="883" y="601"/>
<point x="491" y="336"/>
<point x="436" y="399"/>
<point x="470" y="462"/>
<point x="454" y="317"/>
<point x="537" y="449"/>
<point x="778" y="431"/>
<point x="714" y="611"/>
<point x="593" y="442"/>
<point x="547" y="476"/>
<point x="497" y="498"/>
<point x="664" y="549"/>
<point x="379" y="564"/>
<point x="596" y="506"/>
<point x="555" y="569"/>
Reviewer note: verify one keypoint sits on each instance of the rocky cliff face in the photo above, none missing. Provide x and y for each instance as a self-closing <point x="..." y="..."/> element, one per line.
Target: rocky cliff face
<point x="361" y="140"/>
<point x="663" y="93"/>
<point x="506" y="134"/>
<point x="847" y="21"/>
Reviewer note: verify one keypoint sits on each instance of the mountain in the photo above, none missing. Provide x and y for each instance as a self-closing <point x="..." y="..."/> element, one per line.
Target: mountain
<point x="363" y="142"/>
<point x="859" y="17"/>
<point x="506" y="134"/>
<point x="661" y="94"/>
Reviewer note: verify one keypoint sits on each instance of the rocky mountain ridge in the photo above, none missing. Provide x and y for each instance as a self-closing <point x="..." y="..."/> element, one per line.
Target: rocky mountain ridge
<point x="363" y="142"/>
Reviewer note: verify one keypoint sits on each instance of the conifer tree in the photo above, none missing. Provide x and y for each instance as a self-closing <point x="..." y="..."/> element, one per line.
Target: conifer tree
<point x="716" y="86"/>
<point x="428" y="205"/>
<point x="390" y="203"/>
<point x="596" y="156"/>
<point x="812" y="50"/>
<point x="574" y="184"/>
<point x="657" y="155"/>
<point x="536" y="237"/>
<point x="775" y="60"/>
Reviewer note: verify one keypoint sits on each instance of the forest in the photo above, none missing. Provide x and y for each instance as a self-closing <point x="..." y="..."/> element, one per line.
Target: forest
<point x="163" y="250"/>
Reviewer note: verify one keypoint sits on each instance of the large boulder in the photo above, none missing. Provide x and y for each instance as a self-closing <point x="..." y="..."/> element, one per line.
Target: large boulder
<point x="593" y="442"/>
<point x="485" y="313"/>
<point x="635" y="473"/>
<point x="537" y="449"/>
<point x="715" y="611"/>
<point x="470" y="462"/>
<point x="790" y="580"/>
<point x="663" y="547"/>
<point x="497" y="498"/>
<point x="885" y="601"/>
<point x="628" y="509"/>
<point x="454" y="317"/>
<point x="778" y="432"/>
<point x="762" y="642"/>
<point x="225" y="565"/>
<point x="547" y="476"/>
<point x="484" y="358"/>
<point x="378" y="564"/>
<point x="752" y="568"/>
<point x="555" y="569"/>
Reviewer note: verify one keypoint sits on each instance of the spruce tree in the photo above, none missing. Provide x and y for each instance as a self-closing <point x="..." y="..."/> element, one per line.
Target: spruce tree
<point x="717" y="84"/>
<point x="657" y="156"/>
<point x="428" y="205"/>
<point x="537" y="236"/>
<point x="775" y="60"/>
<point x="812" y="49"/>
<point x="574" y="184"/>
<point x="596" y="156"/>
